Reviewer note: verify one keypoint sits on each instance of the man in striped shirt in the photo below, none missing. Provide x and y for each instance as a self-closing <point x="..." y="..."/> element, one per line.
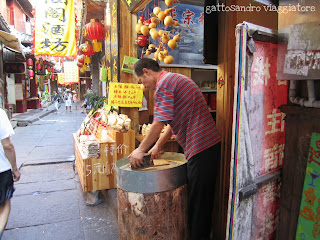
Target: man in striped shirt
<point x="180" y="103"/>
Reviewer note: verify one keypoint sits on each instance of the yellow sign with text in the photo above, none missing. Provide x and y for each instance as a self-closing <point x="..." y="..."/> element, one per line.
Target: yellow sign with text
<point x="125" y="95"/>
<point x="55" y="28"/>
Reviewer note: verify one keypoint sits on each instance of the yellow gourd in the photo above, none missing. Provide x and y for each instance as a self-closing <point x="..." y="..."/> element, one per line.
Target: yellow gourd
<point x="172" y="44"/>
<point x="145" y="30"/>
<point x="168" y="21"/>
<point x="138" y="28"/>
<point x="161" y="15"/>
<point x="176" y="37"/>
<point x="156" y="10"/>
<point x="168" y="59"/>
<point x="169" y="3"/>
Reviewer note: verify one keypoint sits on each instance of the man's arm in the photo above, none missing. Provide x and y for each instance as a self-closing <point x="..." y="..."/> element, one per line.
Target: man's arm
<point x="8" y="149"/>
<point x="152" y="136"/>
<point x="155" y="150"/>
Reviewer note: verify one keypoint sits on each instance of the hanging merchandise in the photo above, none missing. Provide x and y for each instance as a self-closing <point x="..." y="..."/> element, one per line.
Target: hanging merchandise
<point x="95" y="31"/>
<point x="55" y="28"/>
<point x="87" y="50"/>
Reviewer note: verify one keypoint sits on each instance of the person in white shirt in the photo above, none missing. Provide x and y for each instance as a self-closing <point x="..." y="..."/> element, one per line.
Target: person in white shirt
<point x="68" y="100"/>
<point x="9" y="171"/>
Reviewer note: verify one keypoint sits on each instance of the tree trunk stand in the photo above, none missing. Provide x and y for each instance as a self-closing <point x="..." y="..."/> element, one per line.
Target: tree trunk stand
<point x="146" y="216"/>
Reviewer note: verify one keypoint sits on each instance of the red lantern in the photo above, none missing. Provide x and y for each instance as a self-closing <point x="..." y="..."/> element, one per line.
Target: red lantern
<point x="49" y="69"/>
<point x="52" y="70"/>
<point x="95" y="32"/>
<point x="142" y="41"/>
<point x="30" y="63"/>
<point x="87" y="50"/>
<point x="52" y="77"/>
<point x="38" y="66"/>
<point x="79" y="64"/>
<point x="81" y="59"/>
<point x="31" y="74"/>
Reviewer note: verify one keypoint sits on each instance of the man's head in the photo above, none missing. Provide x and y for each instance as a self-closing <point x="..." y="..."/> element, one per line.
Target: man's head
<point x="147" y="71"/>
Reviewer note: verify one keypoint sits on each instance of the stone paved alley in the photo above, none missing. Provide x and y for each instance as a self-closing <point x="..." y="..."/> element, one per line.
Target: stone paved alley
<point x="48" y="202"/>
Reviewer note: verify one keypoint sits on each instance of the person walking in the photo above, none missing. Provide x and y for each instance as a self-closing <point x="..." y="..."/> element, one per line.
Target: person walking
<point x="180" y="103"/>
<point x="68" y="100"/>
<point x="9" y="171"/>
<point x="56" y="99"/>
<point x="75" y="99"/>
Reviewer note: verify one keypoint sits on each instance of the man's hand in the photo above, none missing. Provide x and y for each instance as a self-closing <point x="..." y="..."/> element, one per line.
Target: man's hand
<point x="16" y="174"/>
<point x="155" y="152"/>
<point x="136" y="158"/>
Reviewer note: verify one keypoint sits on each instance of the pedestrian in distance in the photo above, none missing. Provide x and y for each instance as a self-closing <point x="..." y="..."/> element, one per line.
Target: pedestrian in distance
<point x="9" y="171"/>
<point x="68" y="100"/>
<point x="56" y="99"/>
<point x="75" y="99"/>
<point x="45" y="100"/>
<point x="180" y="103"/>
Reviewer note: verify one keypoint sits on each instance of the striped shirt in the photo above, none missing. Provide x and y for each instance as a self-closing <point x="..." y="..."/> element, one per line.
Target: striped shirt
<point x="179" y="102"/>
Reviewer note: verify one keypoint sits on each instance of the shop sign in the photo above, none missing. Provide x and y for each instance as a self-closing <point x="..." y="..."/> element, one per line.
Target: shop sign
<point x="16" y="67"/>
<point x="309" y="215"/>
<point x="55" y="28"/>
<point x="259" y="138"/>
<point x="125" y="95"/>
<point x="71" y="72"/>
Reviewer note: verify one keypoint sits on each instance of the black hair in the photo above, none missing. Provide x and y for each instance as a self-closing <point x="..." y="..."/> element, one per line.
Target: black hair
<point x="146" y="63"/>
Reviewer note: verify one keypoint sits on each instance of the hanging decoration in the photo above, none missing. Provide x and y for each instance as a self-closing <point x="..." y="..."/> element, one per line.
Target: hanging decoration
<point x="87" y="50"/>
<point x="151" y="28"/>
<point x="31" y="73"/>
<point x="30" y="63"/>
<point x="60" y="78"/>
<point x="55" y="28"/>
<point x="95" y="32"/>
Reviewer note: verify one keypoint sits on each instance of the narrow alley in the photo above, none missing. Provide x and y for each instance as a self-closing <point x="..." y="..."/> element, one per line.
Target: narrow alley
<point x="48" y="202"/>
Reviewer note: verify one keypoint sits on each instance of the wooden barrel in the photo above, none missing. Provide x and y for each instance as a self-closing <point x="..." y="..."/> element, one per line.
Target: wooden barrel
<point x="152" y="203"/>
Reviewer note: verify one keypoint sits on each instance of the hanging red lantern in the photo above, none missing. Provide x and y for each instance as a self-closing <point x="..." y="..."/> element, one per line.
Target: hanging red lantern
<point x="95" y="32"/>
<point x="81" y="59"/>
<point x="142" y="41"/>
<point x="87" y="50"/>
<point x="52" y="70"/>
<point x="52" y="77"/>
<point x="30" y="63"/>
<point x="38" y="66"/>
<point x="31" y="73"/>
<point x="49" y="69"/>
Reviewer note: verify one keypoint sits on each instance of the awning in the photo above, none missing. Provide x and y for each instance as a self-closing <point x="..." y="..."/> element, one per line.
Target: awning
<point x="10" y="41"/>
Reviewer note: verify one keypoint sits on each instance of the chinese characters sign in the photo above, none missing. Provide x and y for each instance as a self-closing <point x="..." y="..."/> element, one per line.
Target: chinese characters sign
<point x="114" y="41"/>
<point x="125" y="95"/>
<point x="71" y="72"/>
<point x="309" y="216"/>
<point x="55" y="28"/>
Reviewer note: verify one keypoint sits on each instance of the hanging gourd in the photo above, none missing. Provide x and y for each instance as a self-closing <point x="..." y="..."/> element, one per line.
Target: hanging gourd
<point x="95" y="32"/>
<point x="87" y="50"/>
